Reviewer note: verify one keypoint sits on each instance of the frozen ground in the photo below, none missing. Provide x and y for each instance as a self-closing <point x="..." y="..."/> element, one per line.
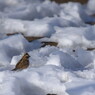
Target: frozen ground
<point x="65" y="69"/>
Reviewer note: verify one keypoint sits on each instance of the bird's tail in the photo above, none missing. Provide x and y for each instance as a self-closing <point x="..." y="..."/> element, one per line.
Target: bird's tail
<point x="14" y="69"/>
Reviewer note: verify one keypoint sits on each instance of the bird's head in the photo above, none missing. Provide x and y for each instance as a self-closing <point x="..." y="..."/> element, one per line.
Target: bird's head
<point x="26" y="55"/>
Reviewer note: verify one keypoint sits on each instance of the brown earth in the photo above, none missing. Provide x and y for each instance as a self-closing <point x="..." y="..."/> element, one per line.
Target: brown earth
<point x="93" y="15"/>
<point x="10" y="34"/>
<point x="90" y="49"/>
<point x="65" y="1"/>
<point x="49" y="43"/>
<point x="91" y="23"/>
<point x="51" y="94"/>
<point x="29" y="38"/>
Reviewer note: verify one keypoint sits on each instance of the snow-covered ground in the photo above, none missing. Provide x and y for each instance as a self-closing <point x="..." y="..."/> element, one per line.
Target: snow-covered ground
<point x="65" y="69"/>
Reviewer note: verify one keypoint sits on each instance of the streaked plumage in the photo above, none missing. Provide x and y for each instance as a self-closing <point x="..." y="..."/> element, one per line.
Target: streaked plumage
<point x="23" y="63"/>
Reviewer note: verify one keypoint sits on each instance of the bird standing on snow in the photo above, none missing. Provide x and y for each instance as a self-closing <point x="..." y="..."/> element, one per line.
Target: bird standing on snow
<point x="23" y="63"/>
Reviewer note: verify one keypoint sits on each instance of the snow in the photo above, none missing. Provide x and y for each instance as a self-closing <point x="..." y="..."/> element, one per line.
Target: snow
<point x="65" y="69"/>
<point x="9" y="48"/>
<point x="38" y="27"/>
<point x="91" y="6"/>
<point x="75" y="11"/>
<point x="74" y="37"/>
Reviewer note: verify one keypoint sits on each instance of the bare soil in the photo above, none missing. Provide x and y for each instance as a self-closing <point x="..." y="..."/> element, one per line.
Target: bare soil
<point x="49" y="43"/>
<point x="65" y="1"/>
<point x="90" y="49"/>
<point x="29" y="38"/>
<point x="91" y="23"/>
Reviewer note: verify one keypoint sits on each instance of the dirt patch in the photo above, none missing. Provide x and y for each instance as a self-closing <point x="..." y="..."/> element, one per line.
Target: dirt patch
<point x="91" y="23"/>
<point x="10" y="34"/>
<point x="93" y="15"/>
<point x="51" y="94"/>
<point x="65" y="1"/>
<point x="90" y="49"/>
<point x="49" y="43"/>
<point x="29" y="38"/>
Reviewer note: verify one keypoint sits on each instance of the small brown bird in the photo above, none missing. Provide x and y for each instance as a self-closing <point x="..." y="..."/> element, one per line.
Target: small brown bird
<point x="23" y="63"/>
